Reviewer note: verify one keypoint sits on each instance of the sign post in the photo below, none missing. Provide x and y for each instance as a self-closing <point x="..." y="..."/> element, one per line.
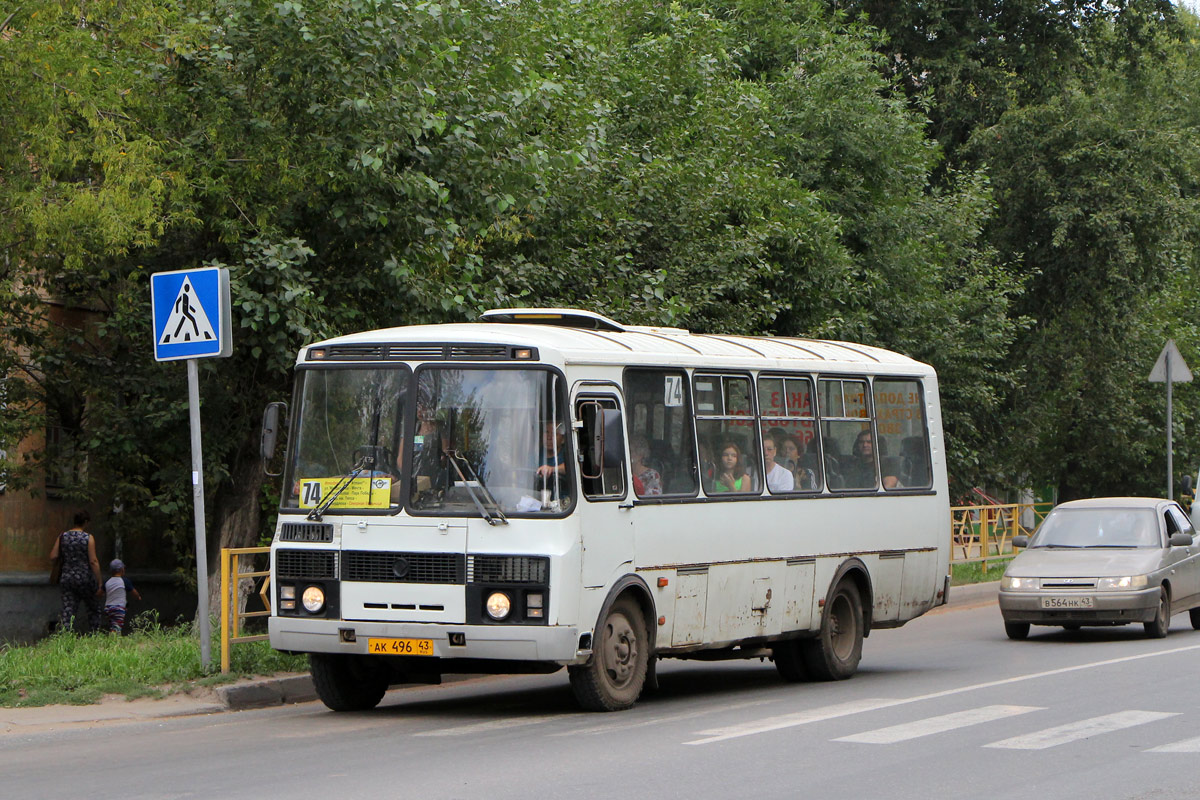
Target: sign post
<point x="185" y="304"/>
<point x="1170" y="368"/>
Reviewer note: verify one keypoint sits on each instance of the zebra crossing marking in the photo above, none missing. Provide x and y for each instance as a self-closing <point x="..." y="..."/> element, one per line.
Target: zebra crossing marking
<point x="939" y="724"/>
<point x="1184" y="746"/>
<point x="494" y="725"/>
<point x="1073" y="731"/>
<point x="791" y="720"/>
<point x="802" y="718"/>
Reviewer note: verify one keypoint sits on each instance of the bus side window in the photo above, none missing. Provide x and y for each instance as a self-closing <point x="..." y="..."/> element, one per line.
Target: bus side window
<point x="601" y="448"/>
<point x="728" y="434"/>
<point x="903" y="434"/>
<point x="661" y="424"/>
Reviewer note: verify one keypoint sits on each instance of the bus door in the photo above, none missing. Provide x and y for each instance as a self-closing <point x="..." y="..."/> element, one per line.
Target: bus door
<point x="607" y="525"/>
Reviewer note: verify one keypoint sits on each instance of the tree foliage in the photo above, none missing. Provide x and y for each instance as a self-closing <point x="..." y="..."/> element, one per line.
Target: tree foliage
<point x="1004" y="189"/>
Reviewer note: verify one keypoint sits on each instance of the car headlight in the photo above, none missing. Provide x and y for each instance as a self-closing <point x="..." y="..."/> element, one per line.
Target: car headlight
<point x="1019" y="584"/>
<point x="313" y="599"/>
<point x="1126" y="582"/>
<point x="498" y="605"/>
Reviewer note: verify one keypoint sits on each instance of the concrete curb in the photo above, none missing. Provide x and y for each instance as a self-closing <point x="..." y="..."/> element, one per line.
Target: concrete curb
<point x="268" y="692"/>
<point x="974" y="594"/>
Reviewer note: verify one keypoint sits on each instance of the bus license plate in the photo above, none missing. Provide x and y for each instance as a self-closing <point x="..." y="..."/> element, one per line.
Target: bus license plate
<point x="1066" y="602"/>
<point x="400" y="647"/>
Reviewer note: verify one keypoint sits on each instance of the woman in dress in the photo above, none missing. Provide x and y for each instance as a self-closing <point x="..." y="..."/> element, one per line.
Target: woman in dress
<point x="80" y="573"/>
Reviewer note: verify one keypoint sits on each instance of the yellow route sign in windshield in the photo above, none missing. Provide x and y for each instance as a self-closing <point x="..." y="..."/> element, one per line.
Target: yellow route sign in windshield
<point x="361" y="493"/>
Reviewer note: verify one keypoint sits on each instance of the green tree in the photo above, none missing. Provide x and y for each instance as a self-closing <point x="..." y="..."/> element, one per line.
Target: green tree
<point x="741" y="166"/>
<point x="1097" y="194"/>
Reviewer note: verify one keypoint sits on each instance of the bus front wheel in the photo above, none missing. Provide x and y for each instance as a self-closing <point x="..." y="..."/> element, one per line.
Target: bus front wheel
<point x="834" y="654"/>
<point x="348" y="682"/>
<point x="613" y="678"/>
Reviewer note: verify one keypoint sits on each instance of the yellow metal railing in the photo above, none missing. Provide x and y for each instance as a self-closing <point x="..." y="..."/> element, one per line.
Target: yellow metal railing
<point x="984" y="533"/>
<point x="232" y="614"/>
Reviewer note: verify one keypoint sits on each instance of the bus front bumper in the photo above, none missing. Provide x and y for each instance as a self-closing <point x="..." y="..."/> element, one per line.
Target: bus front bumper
<point x="543" y="643"/>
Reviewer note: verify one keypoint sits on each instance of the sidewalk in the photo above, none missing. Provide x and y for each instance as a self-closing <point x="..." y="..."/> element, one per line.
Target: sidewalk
<point x="279" y="690"/>
<point x="244" y="694"/>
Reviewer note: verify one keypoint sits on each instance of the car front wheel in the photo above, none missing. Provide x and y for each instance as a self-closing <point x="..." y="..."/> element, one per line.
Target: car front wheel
<point x="1016" y="630"/>
<point x="1157" y="629"/>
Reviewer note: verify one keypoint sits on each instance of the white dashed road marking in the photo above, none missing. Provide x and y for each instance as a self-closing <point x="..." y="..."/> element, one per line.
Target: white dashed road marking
<point x="1052" y="737"/>
<point x="941" y="724"/>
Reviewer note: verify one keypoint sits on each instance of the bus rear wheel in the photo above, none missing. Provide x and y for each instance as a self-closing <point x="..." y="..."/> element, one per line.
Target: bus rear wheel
<point x="348" y="682"/>
<point x="613" y="678"/>
<point x="835" y="653"/>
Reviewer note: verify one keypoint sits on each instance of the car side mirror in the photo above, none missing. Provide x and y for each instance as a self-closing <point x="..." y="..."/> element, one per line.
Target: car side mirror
<point x="1181" y="540"/>
<point x="1021" y="541"/>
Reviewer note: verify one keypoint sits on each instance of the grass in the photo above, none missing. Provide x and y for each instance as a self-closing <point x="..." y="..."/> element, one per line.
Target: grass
<point x="972" y="572"/>
<point x="153" y="661"/>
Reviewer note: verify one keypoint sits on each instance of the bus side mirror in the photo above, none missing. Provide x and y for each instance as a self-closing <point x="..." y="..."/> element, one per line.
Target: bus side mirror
<point x="592" y="440"/>
<point x="613" y="443"/>
<point x="603" y="439"/>
<point x="1185" y="484"/>
<point x="272" y="416"/>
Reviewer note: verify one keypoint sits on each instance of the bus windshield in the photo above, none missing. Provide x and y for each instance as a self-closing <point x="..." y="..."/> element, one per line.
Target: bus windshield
<point x="491" y="437"/>
<point x="483" y="441"/>
<point x="351" y="425"/>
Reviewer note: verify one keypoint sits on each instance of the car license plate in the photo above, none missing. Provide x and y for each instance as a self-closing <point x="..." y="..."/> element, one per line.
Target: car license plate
<point x="1067" y="602"/>
<point x="400" y="647"/>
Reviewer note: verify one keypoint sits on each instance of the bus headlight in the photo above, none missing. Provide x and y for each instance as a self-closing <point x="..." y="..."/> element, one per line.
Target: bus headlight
<point x="498" y="605"/>
<point x="313" y="599"/>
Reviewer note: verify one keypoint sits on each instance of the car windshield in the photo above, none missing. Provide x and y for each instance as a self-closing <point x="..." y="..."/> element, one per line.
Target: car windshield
<point x="1099" y="527"/>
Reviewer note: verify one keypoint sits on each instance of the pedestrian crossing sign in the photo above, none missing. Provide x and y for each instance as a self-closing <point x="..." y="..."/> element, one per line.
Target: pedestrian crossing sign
<point x="191" y="314"/>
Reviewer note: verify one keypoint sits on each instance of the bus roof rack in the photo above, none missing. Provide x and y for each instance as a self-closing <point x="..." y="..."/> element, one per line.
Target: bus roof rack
<point x="561" y="317"/>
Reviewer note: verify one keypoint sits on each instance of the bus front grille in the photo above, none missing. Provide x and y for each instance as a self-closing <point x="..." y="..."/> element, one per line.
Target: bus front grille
<point x="381" y="567"/>
<point x="509" y="569"/>
<point x="306" y="564"/>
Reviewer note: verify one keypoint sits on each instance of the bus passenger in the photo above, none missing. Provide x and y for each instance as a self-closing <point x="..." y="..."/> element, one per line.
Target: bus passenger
<point x="794" y="450"/>
<point x="731" y="474"/>
<point x="646" y="480"/>
<point x="779" y="479"/>
<point x="859" y="471"/>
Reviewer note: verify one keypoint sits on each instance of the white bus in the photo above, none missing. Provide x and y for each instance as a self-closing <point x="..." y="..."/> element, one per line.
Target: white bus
<point x="549" y="488"/>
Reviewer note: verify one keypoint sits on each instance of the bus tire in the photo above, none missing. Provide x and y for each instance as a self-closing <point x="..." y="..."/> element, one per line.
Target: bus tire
<point x="834" y="654"/>
<point x="348" y="682"/>
<point x="613" y="677"/>
<point x="789" y="661"/>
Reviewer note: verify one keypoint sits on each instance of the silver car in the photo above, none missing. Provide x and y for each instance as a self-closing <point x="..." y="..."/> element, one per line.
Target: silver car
<point x="1107" y="561"/>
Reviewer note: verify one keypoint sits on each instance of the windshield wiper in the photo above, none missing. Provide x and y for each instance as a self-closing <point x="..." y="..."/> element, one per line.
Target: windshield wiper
<point x="323" y="506"/>
<point x="454" y="458"/>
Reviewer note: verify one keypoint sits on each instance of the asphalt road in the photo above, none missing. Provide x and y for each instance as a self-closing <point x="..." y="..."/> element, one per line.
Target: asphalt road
<point x="944" y="707"/>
